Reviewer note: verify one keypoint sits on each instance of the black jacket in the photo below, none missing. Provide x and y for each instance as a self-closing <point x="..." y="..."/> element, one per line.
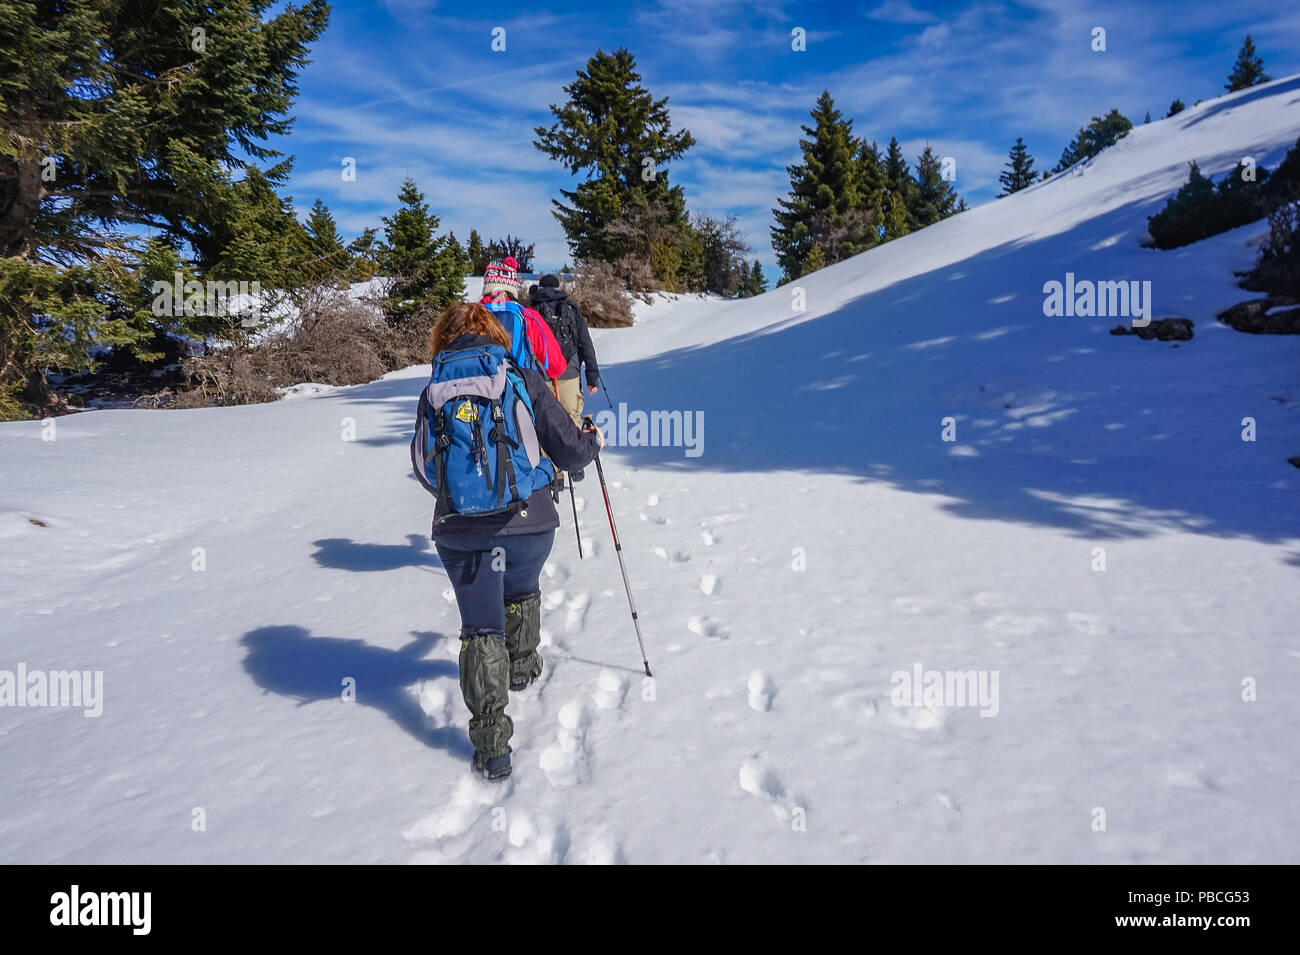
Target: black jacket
<point x="568" y="447"/>
<point x="577" y="350"/>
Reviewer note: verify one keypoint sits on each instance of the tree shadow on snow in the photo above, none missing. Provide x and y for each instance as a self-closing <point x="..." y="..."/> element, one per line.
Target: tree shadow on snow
<point x="1058" y="422"/>
<point x="289" y="661"/>
<point x="344" y="554"/>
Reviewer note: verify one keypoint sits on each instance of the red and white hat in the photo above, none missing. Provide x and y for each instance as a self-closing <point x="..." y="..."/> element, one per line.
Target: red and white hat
<point x="501" y="275"/>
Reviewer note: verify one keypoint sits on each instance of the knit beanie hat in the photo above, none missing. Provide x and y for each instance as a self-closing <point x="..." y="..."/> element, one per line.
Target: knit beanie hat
<point x="550" y="281"/>
<point x="502" y="275"/>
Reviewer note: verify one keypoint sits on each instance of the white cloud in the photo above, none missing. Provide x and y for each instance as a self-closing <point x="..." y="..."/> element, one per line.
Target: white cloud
<point x="899" y="11"/>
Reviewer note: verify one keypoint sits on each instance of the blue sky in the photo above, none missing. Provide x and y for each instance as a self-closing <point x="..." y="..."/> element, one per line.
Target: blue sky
<point x="413" y="87"/>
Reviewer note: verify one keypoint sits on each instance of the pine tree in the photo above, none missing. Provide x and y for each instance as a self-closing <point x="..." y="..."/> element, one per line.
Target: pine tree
<point x="1147" y="118"/>
<point x="1019" y="173"/>
<point x="934" y="197"/>
<point x="1101" y="132"/>
<point x="615" y="133"/>
<point x="325" y="246"/>
<point x="476" y="253"/>
<point x="1248" y="70"/>
<point x="900" y="189"/>
<point x="743" y="281"/>
<point x="757" y="281"/>
<point x="116" y="128"/>
<point x="363" y="252"/>
<point x="1175" y="108"/>
<point x="419" y="263"/>
<point x="826" y="209"/>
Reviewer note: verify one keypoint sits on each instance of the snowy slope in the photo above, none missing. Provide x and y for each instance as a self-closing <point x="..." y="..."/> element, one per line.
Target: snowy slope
<point x="769" y="732"/>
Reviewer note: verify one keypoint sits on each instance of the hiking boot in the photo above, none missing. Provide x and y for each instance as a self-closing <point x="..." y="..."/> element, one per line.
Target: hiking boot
<point x="492" y="767"/>
<point x="521" y="683"/>
<point x="523" y="634"/>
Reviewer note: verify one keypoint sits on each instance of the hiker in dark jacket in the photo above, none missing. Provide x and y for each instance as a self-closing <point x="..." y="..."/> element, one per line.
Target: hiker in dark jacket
<point x="494" y="561"/>
<point x="570" y="328"/>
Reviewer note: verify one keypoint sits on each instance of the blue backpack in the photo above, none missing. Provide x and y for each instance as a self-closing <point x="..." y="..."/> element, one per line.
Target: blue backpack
<point x="475" y="444"/>
<point x="511" y="316"/>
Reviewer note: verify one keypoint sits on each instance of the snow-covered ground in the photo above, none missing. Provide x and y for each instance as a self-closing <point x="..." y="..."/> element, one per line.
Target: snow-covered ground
<point x="228" y="569"/>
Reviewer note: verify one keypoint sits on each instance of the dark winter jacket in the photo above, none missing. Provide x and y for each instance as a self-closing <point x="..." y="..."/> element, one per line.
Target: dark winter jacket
<point x="568" y="447"/>
<point x="576" y="345"/>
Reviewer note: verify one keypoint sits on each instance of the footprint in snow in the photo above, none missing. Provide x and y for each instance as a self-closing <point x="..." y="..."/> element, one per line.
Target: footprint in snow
<point x="577" y="612"/>
<point x="555" y="572"/>
<point x="537" y="843"/>
<point x="553" y="598"/>
<point x="566" y="762"/>
<point x="611" y="689"/>
<point x="761" y="690"/>
<point x="761" y="781"/>
<point x="439" y="702"/>
<point x="676" y="557"/>
<point x="652" y="500"/>
<point x="709" y="584"/>
<point x="653" y="520"/>
<point x="707" y="627"/>
<point x="467" y="804"/>
<point x="709" y="538"/>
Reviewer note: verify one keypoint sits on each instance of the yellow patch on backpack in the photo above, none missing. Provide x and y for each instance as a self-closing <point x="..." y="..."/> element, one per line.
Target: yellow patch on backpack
<point x="467" y="412"/>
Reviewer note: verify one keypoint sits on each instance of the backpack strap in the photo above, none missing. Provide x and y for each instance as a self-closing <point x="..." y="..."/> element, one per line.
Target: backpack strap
<point x="442" y="441"/>
<point x="505" y="467"/>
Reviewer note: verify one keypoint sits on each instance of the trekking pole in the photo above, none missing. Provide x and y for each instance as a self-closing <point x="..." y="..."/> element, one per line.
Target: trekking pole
<point x="590" y="425"/>
<point x="608" y="399"/>
<point x="576" y="529"/>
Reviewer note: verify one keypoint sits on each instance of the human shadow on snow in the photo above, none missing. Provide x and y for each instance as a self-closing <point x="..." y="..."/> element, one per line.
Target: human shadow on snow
<point x="343" y="554"/>
<point x="290" y="661"/>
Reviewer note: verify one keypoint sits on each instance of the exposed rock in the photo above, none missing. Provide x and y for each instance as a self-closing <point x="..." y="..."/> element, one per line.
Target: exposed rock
<point x="1173" y="329"/>
<point x="1274" y="315"/>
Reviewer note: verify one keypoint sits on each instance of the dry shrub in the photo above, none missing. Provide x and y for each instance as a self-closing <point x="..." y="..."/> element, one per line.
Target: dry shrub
<point x="599" y="289"/>
<point x="334" y="340"/>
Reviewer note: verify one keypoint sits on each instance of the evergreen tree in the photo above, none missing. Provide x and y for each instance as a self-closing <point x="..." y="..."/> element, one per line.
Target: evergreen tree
<point x="1175" y="108"/>
<point x="721" y="253"/>
<point x="325" y="246"/>
<point x="743" y="281"/>
<point x="424" y="271"/>
<point x="1020" y="169"/>
<point x="934" y="197"/>
<point x="826" y="209"/>
<point x="757" y="281"/>
<point x="1248" y="70"/>
<point x="118" y="125"/>
<point x="1147" y="118"/>
<point x="1101" y="132"/>
<point x="477" y="254"/>
<point x="900" y="189"/>
<point x="363" y="253"/>
<point x="612" y="131"/>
